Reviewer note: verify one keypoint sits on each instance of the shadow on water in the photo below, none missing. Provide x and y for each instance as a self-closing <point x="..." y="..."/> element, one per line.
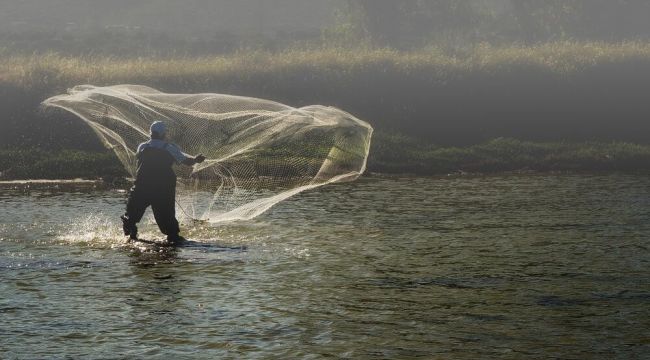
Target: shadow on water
<point x="148" y="253"/>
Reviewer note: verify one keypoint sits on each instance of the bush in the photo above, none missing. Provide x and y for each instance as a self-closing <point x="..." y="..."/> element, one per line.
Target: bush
<point x="67" y="164"/>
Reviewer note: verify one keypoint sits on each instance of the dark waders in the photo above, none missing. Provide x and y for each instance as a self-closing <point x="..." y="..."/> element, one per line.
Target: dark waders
<point x="155" y="186"/>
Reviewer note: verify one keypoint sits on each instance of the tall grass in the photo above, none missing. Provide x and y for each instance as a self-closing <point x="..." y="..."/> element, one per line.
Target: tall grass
<point x="554" y="91"/>
<point x="445" y="102"/>
<point x="399" y="154"/>
<point x="56" y="71"/>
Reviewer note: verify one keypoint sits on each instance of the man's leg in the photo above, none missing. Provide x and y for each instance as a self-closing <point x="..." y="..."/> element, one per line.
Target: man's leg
<point x="164" y="210"/>
<point x="136" y="205"/>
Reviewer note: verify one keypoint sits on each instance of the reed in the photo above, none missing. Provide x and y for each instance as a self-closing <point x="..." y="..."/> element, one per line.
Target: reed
<point x="57" y="71"/>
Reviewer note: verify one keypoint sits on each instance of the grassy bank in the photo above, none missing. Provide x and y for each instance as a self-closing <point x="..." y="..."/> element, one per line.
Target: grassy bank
<point x="400" y="154"/>
<point x="546" y="93"/>
<point x="66" y="164"/>
<point x="390" y="154"/>
<point x="574" y="106"/>
<point x="48" y="71"/>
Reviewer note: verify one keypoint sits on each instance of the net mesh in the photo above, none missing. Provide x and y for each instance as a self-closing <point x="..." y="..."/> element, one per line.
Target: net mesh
<point x="258" y="152"/>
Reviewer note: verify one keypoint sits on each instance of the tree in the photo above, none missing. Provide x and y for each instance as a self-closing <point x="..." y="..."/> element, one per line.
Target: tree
<point x="611" y="20"/>
<point x="413" y="22"/>
<point x="544" y="20"/>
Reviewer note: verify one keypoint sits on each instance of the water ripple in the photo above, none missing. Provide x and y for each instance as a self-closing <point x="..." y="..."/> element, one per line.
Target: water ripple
<point x="458" y="267"/>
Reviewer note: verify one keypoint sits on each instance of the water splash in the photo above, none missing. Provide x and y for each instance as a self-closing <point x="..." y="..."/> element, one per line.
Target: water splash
<point x="95" y="230"/>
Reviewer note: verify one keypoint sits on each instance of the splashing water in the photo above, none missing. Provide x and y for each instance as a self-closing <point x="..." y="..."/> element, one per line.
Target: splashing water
<point x="259" y="152"/>
<point x="92" y="230"/>
<point x="100" y="230"/>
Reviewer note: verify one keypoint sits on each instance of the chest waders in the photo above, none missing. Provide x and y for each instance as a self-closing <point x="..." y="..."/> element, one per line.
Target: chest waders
<point x="155" y="186"/>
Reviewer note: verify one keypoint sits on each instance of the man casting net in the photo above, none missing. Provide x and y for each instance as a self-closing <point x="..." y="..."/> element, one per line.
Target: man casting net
<point x="258" y="152"/>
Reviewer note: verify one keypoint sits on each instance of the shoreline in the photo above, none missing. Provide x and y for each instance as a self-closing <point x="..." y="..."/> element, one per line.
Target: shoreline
<point x="102" y="184"/>
<point x="389" y="155"/>
<point x="53" y="184"/>
<point x="48" y="181"/>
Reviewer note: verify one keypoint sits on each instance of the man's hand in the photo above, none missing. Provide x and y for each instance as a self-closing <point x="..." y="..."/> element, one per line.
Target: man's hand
<point x="194" y="160"/>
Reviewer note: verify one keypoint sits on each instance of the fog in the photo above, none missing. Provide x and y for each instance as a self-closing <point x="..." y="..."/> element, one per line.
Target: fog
<point x="180" y="18"/>
<point x="36" y="25"/>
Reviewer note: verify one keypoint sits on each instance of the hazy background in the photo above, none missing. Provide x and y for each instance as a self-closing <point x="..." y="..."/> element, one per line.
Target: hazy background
<point x="546" y="85"/>
<point x="127" y="27"/>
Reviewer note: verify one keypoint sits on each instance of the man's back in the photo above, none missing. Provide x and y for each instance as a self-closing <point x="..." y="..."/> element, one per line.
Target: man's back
<point x="154" y="162"/>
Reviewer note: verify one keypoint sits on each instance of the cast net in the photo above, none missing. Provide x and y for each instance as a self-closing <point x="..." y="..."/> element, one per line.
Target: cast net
<point x="258" y="152"/>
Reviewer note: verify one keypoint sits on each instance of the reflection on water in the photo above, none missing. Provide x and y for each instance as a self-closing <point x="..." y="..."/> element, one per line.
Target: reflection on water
<point x="493" y="267"/>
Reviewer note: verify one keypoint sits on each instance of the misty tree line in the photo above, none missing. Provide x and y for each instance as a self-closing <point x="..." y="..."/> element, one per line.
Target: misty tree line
<point x="401" y="24"/>
<point x="145" y="42"/>
<point x="413" y="23"/>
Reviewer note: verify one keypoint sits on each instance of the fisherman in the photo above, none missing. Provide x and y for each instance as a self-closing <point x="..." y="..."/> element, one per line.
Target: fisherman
<point x="155" y="184"/>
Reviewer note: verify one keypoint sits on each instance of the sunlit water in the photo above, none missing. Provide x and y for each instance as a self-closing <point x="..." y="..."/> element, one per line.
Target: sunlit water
<point x="459" y="268"/>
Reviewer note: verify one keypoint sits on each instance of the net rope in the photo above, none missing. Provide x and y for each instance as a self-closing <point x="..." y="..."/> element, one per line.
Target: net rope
<point x="259" y="152"/>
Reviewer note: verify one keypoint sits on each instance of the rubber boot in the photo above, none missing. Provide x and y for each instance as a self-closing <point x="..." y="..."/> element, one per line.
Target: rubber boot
<point x="129" y="228"/>
<point x="175" y="239"/>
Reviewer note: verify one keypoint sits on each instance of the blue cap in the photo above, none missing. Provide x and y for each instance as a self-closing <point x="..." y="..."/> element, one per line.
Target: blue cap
<point x="158" y="127"/>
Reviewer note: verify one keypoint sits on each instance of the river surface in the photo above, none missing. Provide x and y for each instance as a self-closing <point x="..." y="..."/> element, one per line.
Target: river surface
<point x="383" y="268"/>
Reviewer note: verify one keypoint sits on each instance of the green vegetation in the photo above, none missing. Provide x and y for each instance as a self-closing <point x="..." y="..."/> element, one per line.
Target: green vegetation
<point x="400" y="154"/>
<point x="66" y="164"/>
<point x="390" y="154"/>
<point x="55" y="72"/>
<point x="412" y="24"/>
<point x="573" y="106"/>
<point x="552" y="91"/>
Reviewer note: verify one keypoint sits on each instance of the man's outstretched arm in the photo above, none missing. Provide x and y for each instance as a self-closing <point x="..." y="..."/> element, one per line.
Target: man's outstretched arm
<point x="182" y="157"/>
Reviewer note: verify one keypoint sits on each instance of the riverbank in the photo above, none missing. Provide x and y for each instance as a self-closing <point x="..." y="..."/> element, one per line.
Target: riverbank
<point x="389" y="154"/>
<point x="399" y="154"/>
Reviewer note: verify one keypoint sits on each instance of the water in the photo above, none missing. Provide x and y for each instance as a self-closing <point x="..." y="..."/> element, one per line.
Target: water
<point x="462" y="268"/>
